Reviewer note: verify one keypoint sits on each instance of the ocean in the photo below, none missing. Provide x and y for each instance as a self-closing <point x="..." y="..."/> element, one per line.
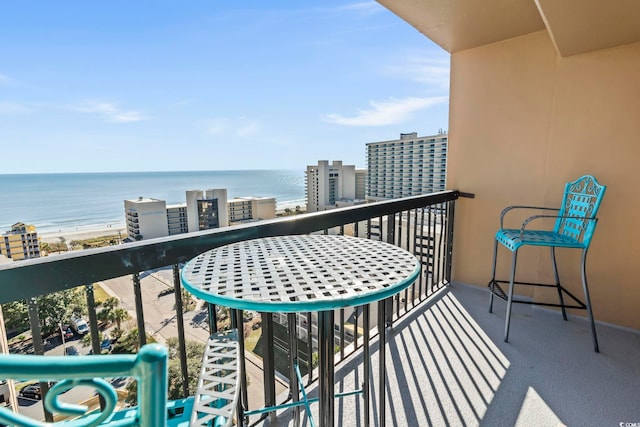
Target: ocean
<point x="79" y="201"/>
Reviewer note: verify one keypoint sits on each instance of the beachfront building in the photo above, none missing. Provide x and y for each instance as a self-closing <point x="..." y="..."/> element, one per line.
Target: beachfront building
<point x="21" y="242"/>
<point x="408" y="166"/>
<point x="146" y="218"/>
<point x="244" y="209"/>
<point x="334" y="185"/>
<point x="177" y="219"/>
<point x="207" y="209"/>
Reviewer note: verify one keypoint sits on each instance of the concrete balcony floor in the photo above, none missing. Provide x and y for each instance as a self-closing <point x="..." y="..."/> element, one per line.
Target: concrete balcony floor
<point x="447" y="365"/>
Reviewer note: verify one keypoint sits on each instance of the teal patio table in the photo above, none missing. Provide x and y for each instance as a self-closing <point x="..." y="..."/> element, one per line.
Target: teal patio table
<point x="307" y="273"/>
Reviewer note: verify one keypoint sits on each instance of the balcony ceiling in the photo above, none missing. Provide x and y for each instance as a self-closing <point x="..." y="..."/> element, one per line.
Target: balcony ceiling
<point x="575" y="26"/>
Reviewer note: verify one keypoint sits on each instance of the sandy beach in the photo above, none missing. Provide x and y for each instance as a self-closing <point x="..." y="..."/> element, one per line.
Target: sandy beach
<point x="85" y="233"/>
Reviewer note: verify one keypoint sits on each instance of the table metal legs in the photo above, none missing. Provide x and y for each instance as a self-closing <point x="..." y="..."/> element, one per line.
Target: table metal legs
<point x="326" y="359"/>
<point x="382" y="331"/>
<point x="366" y="388"/>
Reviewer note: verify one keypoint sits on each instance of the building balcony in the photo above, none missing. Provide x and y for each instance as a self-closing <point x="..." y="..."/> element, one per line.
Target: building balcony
<point x="446" y="361"/>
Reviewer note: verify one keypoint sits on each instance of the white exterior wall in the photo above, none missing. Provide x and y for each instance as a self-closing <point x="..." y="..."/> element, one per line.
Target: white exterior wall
<point x="265" y="208"/>
<point x="146" y="217"/>
<point x="251" y="209"/>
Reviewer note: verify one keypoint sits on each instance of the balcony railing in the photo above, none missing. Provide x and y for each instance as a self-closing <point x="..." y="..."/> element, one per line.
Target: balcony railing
<point x="421" y="224"/>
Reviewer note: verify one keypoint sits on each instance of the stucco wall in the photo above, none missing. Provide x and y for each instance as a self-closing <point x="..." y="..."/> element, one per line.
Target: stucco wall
<point x="523" y="121"/>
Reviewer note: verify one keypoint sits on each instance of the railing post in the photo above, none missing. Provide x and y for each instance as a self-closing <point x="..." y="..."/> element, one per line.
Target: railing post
<point x="93" y="328"/>
<point x="38" y="348"/>
<point x="182" y="346"/>
<point x="268" y="361"/>
<point x="451" y="217"/>
<point x="93" y="319"/>
<point x="212" y="318"/>
<point x="388" y="304"/>
<point x="237" y="321"/>
<point x="142" y="334"/>
<point x="293" y="360"/>
<point x="309" y="348"/>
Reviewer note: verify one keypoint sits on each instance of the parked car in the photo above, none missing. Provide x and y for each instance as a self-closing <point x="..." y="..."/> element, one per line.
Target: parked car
<point x="105" y="346"/>
<point x="71" y="350"/>
<point x="68" y="333"/>
<point x="31" y="391"/>
<point x="79" y="326"/>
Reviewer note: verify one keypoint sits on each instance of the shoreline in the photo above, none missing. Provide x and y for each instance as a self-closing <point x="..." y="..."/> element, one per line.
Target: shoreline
<point x="88" y="232"/>
<point x="81" y="234"/>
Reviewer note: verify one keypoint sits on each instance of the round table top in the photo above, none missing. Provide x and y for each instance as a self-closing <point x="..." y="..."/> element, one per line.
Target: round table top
<point x="300" y="273"/>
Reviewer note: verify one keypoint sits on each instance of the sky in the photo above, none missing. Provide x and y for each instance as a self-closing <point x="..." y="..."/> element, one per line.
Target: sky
<point x="173" y="85"/>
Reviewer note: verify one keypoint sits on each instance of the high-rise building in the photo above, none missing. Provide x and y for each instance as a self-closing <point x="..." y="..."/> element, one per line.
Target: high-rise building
<point x="408" y="166"/>
<point x="207" y="209"/>
<point x="21" y="242"/>
<point x="333" y="185"/>
<point x="243" y="209"/>
<point x="177" y="219"/>
<point x="146" y="218"/>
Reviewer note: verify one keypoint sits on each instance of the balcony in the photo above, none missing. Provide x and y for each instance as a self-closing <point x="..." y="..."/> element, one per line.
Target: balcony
<point x="446" y="361"/>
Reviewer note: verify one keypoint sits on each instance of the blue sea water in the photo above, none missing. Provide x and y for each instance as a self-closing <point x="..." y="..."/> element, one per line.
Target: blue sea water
<point x="77" y="201"/>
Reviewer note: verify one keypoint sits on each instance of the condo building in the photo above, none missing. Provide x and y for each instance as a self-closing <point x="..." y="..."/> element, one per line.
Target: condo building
<point x="21" y="242"/>
<point x="177" y="219"/>
<point x="148" y="218"/>
<point x="408" y="166"/>
<point x="244" y="209"/>
<point x="334" y="185"/>
<point x="207" y="209"/>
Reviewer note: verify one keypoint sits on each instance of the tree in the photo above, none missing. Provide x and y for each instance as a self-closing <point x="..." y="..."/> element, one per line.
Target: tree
<point x="119" y="315"/>
<point x="16" y="315"/>
<point x="53" y="309"/>
<point x="194" y="351"/>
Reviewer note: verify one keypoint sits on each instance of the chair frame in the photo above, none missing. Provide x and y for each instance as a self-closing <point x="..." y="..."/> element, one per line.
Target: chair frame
<point x="575" y="223"/>
<point x="149" y="367"/>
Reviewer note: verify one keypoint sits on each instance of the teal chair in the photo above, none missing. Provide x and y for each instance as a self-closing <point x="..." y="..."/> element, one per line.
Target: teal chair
<point x="149" y="367"/>
<point x="575" y="223"/>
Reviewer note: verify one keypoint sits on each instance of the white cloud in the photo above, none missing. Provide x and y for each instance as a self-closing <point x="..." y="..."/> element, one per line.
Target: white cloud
<point x="240" y="126"/>
<point x="110" y="112"/>
<point x="13" y="108"/>
<point x="421" y="69"/>
<point x="365" y="7"/>
<point x="389" y="112"/>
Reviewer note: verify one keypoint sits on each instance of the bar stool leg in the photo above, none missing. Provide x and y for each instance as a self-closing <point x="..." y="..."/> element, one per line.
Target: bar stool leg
<point x="492" y="283"/>
<point x="587" y="301"/>
<point x="557" y="276"/>
<point x="510" y="298"/>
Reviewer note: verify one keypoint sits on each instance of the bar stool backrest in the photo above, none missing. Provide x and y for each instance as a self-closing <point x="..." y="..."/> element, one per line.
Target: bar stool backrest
<point x="580" y="203"/>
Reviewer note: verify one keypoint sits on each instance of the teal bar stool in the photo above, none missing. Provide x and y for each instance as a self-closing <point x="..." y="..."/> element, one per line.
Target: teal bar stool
<point x="149" y="367"/>
<point x="575" y="223"/>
